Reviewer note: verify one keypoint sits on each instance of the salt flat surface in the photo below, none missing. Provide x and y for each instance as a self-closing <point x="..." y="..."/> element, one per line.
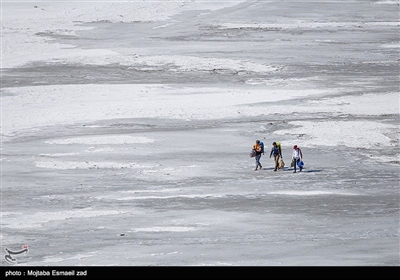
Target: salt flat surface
<point x="126" y="128"/>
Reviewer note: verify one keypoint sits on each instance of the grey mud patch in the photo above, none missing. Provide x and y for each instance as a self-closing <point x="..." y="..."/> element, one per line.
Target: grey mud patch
<point x="54" y="74"/>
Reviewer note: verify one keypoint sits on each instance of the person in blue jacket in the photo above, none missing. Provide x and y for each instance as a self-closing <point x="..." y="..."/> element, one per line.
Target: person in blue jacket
<point x="277" y="152"/>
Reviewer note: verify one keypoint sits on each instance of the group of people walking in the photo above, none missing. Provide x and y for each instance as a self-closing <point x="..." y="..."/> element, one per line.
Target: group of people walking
<point x="276" y="151"/>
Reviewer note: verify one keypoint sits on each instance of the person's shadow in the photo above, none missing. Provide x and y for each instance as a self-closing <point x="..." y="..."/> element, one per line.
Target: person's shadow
<point x="267" y="168"/>
<point x="304" y="170"/>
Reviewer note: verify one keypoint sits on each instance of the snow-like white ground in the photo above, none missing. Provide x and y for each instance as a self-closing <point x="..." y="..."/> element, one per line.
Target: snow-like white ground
<point x="127" y="124"/>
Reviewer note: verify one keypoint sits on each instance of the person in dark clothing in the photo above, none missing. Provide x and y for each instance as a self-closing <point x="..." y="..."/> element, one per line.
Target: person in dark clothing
<point x="277" y="152"/>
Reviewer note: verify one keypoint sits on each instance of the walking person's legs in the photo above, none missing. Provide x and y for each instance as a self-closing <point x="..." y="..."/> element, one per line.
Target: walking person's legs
<point x="258" y="162"/>
<point x="276" y="158"/>
<point x="295" y="165"/>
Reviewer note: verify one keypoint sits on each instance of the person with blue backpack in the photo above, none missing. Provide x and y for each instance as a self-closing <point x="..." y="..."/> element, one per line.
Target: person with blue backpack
<point x="277" y="152"/>
<point x="258" y="147"/>
<point x="297" y="158"/>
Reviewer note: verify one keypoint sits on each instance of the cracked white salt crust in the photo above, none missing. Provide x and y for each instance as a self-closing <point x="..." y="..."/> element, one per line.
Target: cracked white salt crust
<point x="356" y="134"/>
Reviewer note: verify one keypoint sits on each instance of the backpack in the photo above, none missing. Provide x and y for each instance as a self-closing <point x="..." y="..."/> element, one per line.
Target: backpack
<point x="262" y="147"/>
